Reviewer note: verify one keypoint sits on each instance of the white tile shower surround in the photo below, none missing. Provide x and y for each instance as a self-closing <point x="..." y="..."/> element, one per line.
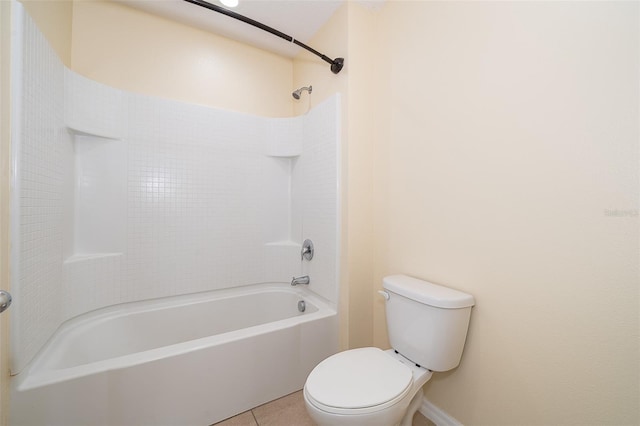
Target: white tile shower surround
<point x="204" y="199"/>
<point x="44" y="156"/>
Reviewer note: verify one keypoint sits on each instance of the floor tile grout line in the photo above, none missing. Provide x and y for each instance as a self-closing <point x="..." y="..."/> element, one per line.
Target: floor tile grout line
<point x="254" y="417"/>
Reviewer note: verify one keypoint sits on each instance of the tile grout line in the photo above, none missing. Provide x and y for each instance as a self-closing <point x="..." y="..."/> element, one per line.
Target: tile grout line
<point x="254" y="417"/>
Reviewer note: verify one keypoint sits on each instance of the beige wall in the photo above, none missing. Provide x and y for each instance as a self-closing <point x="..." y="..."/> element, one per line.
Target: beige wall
<point x="54" y="18"/>
<point x="512" y="135"/>
<point x="158" y="57"/>
<point x="487" y="149"/>
<point x="143" y="53"/>
<point x="362" y="131"/>
<point x="309" y="69"/>
<point x="348" y="34"/>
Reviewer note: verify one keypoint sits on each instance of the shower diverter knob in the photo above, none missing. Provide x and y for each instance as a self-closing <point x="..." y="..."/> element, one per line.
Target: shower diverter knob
<point x="307" y="250"/>
<point x="5" y="300"/>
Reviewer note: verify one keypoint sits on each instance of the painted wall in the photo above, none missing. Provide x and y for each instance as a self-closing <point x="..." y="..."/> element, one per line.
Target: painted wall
<point x="154" y="56"/>
<point x="363" y="129"/>
<point x="158" y="57"/>
<point x="348" y="34"/>
<point x="505" y="164"/>
<point x="509" y="169"/>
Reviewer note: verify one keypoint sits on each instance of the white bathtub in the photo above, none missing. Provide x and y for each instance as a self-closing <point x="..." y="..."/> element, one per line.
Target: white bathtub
<point x="186" y="360"/>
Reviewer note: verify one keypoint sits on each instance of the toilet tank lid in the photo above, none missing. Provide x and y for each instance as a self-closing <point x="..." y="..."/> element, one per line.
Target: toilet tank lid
<point x="427" y="293"/>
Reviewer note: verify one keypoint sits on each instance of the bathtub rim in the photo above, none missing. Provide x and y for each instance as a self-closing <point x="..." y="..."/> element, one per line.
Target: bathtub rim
<point x="36" y="374"/>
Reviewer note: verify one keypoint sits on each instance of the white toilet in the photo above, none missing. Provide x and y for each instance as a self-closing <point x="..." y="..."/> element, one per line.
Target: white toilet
<point x="427" y="326"/>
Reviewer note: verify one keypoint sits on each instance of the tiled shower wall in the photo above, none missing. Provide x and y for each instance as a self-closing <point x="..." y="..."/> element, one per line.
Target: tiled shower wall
<point x="44" y="154"/>
<point x="123" y="197"/>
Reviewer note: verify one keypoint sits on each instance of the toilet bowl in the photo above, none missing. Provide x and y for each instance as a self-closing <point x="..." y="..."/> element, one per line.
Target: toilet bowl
<point x="365" y="386"/>
<point x="427" y="326"/>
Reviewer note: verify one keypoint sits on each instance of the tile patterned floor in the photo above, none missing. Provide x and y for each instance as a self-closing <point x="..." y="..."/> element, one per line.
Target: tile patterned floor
<point x="288" y="411"/>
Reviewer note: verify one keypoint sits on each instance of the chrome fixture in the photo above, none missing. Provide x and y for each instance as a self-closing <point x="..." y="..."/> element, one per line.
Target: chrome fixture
<point x="300" y="280"/>
<point x="384" y="294"/>
<point x="296" y="93"/>
<point x="302" y="306"/>
<point x="307" y="250"/>
<point x="5" y="300"/>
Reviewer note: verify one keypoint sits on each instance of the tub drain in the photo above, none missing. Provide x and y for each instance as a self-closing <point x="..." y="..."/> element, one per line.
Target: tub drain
<point x="302" y="306"/>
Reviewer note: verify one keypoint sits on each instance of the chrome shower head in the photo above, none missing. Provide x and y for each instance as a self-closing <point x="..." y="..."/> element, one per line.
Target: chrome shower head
<point x="296" y="94"/>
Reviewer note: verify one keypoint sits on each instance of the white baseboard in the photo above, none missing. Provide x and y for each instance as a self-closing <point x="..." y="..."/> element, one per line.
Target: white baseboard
<point x="437" y="415"/>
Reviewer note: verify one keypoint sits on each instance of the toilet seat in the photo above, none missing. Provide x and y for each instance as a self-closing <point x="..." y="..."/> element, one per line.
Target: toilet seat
<point x="358" y="381"/>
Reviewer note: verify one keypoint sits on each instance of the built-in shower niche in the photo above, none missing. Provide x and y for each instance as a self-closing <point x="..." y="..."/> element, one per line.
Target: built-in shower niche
<point x="283" y="143"/>
<point x="98" y="197"/>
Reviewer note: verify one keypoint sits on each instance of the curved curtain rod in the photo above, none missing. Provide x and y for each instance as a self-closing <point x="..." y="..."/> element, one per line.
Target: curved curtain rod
<point x="336" y="64"/>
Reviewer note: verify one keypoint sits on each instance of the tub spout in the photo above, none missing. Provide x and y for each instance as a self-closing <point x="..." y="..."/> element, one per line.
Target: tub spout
<point x="300" y="280"/>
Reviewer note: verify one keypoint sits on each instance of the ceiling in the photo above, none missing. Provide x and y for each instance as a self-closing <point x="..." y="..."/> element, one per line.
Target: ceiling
<point x="300" y="19"/>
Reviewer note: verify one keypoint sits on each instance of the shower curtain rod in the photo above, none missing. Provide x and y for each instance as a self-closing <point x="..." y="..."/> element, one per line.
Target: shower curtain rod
<point x="336" y="64"/>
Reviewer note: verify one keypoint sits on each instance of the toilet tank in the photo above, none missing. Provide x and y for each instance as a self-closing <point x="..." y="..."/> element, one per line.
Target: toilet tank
<point x="427" y="323"/>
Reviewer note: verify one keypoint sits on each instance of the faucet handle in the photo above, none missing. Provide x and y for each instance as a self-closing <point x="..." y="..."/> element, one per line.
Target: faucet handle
<point x="307" y="250"/>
